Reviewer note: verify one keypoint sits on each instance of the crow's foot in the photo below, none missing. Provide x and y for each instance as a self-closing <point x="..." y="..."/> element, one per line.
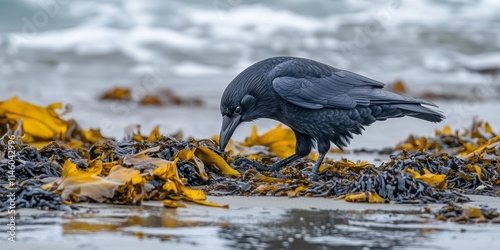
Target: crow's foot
<point x="313" y="176"/>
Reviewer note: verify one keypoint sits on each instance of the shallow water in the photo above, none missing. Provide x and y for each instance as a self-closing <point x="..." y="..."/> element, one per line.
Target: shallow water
<point x="332" y="224"/>
<point x="422" y="42"/>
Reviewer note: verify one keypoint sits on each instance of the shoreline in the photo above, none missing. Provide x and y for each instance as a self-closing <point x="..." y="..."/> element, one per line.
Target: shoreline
<point x="281" y="202"/>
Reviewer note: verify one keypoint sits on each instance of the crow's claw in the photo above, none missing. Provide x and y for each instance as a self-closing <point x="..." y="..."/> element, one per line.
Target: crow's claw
<point x="313" y="176"/>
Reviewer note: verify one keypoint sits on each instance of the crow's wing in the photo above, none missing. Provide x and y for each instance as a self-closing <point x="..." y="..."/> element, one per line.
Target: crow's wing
<point x="313" y="85"/>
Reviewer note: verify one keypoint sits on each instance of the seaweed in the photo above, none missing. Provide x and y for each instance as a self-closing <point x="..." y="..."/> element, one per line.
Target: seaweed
<point x="467" y="214"/>
<point x="56" y="167"/>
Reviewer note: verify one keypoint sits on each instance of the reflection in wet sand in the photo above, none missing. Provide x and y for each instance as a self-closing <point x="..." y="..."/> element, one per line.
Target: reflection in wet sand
<point x="131" y="221"/>
<point x="256" y="228"/>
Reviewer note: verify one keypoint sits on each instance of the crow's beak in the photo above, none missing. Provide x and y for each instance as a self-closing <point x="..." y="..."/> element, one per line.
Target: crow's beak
<point x="229" y="124"/>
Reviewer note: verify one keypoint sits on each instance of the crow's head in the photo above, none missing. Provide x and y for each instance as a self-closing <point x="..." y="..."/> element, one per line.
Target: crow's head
<point x="235" y="109"/>
<point x="246" y="98"/>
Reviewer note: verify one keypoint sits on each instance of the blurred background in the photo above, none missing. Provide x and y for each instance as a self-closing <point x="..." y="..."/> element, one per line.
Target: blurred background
<point x="73" y="51"/>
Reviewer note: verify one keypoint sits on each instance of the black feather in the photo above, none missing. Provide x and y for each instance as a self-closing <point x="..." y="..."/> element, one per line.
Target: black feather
<point x="318" y="102"/>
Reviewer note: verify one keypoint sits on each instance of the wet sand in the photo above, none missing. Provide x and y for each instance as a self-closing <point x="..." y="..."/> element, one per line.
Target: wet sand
<point x="252" y="223"/>
<point x="328" y="203"/>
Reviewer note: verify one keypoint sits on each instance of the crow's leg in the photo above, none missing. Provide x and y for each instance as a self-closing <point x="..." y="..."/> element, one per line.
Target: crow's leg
<point x="280" y="164"/>
<point x="314" y="174"/>
<point x="302" y="149"/>
<point x="323" y="147"/>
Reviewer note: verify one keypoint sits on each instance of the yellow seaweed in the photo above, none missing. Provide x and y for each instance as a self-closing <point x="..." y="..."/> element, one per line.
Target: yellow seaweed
<point x="172" y="204"/>
<point x="437" y="181"/>
<point x="38" y="123"/>
<point x="368" y="196"/>
<point x="77" y="182"/>
<point x="208" y="156"/>
<point x="189" y="155"/>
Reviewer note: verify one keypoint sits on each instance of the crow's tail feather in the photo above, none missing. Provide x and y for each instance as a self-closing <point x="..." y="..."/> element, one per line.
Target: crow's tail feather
<point x="385" y="104"/>
<point x="421" y="112"/>
<point x="365" y="116"/>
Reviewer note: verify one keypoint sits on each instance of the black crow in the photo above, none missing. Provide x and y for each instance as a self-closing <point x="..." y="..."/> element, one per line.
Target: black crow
<point x="318" y="102"/>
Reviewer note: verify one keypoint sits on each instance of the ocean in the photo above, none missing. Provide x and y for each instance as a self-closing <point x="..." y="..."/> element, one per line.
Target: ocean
<point x="73" y="50"/>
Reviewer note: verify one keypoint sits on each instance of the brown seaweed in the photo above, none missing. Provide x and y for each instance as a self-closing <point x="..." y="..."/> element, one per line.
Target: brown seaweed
<point x="439" y="169"/>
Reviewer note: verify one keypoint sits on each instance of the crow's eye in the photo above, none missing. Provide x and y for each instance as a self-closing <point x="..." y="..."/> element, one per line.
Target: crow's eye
<point x="237" y="110"/>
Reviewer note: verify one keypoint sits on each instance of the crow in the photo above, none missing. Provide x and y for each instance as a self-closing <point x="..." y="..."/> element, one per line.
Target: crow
<point x="320" y="103"/>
